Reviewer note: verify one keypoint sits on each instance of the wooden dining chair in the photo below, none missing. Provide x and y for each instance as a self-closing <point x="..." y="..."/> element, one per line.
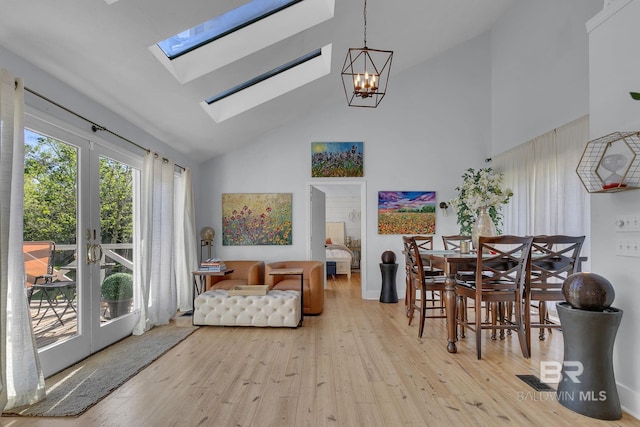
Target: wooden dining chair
<point x="452" y="242"/>
<point x="420" y="282"/>
<point x="553" y="259"/>
<point x="424" y="243"/>
<point x="501" y="269"/>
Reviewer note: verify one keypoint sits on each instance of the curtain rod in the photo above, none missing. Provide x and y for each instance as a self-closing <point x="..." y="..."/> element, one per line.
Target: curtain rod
<point x="94" y="126"/>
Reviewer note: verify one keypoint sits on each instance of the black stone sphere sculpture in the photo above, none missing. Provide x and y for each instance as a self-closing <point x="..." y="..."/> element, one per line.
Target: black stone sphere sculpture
<point x="588" y="291"/>
<point x="388" y="257"/>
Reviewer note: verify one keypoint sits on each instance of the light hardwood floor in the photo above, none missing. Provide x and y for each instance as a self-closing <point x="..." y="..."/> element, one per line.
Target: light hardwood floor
<point x="357" y="364"/>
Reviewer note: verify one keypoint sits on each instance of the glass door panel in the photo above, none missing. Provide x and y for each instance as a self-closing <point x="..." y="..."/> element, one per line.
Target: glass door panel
<point x="115" y="185"/>
<point x="50" y="215"/>
<point x="116" y="231"/>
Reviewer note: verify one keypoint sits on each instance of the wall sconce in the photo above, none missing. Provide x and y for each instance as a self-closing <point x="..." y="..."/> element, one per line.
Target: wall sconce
<point x="444" y="206"/>
<point x="354" y="215"/>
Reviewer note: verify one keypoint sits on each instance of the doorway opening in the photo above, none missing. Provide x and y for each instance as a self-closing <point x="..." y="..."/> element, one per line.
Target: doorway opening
<point x="345" y="201"/>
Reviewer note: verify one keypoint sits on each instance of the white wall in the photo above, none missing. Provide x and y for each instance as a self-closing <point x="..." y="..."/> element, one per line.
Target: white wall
<point x="614" y="71"/>
<point x="432" y="125"/>
<point x="338" y="209"/>
<point x="539" y="69"/>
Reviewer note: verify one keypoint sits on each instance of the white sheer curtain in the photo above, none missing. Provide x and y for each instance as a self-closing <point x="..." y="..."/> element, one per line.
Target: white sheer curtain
<point x="185" y="225"/>
<point x="21" y="379"/>
<point x="157" y="272"/>
<point x="549" y="198"/>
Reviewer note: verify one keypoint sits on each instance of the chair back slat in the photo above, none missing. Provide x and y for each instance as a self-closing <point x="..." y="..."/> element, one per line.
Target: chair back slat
<point x="502" y="262"/>
<point x="554" y="259"/>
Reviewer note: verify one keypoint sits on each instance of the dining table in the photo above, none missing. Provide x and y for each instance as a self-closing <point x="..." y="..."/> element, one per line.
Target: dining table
<point x="451" y="262"/>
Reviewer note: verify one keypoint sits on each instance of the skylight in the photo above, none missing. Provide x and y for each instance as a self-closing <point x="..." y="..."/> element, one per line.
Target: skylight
<point x="269" y="85"/>
<point x="222" y="25"/>
<point x="238" y="41"/>
<point x="265" y="76"/>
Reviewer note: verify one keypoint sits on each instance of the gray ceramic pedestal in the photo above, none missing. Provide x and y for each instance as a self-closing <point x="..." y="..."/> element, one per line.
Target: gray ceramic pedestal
<point x="588" y="339"/>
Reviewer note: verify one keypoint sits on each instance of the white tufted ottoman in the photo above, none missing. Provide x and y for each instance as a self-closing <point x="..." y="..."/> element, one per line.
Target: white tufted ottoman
<point x="276" y="309"/>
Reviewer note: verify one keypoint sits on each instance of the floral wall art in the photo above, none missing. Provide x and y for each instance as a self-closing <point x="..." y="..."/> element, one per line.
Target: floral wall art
<point x="406" y="212"/>
<point x="337" y="159"/>
<point x="256" y="219"/>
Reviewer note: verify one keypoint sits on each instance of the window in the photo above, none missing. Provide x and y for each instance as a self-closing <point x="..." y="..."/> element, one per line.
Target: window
<point x="270" y="85"/>
<point x="549" y="197"/>
<point x="265" y="76"/>
<point x="237" y="34"/>
<point x="222" y="25"/>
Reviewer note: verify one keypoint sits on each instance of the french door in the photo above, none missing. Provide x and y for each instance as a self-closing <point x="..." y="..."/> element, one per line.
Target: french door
<point x="83" y="196"/>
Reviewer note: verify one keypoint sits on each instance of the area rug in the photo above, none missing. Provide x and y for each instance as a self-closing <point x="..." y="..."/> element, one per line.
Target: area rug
<point x="79" y="387"/>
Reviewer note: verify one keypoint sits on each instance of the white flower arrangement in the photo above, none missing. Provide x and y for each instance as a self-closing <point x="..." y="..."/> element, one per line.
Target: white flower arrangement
<point x="479" y="189"/>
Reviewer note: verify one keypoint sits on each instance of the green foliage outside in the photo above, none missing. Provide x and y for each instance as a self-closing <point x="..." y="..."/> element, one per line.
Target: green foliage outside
<point x="116" y="287"/>
<point x="50" y="194"/>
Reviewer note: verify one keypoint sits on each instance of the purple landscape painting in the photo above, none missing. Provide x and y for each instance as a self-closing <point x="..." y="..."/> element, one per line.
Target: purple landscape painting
<point x="406" y="212"/>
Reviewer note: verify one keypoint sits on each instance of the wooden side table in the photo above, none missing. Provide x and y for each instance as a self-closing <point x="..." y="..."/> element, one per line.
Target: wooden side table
<point x="293" y="272"/>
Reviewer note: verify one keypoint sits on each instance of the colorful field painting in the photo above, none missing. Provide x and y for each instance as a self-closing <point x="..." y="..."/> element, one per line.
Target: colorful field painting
<point x="256" y="219"/>
<point x="337" y="159"/>
<point x="406" y="212"/>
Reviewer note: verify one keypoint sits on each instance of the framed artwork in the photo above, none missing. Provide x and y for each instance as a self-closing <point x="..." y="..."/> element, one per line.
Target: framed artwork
<point x="250" y="219"/>
<point x="337" y="159"/>
<point x="406" y="212"/>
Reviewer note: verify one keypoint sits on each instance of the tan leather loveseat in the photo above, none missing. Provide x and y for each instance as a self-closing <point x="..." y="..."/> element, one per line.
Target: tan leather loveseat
<point x="313" y="274"/>
<point x="244" y="273"/>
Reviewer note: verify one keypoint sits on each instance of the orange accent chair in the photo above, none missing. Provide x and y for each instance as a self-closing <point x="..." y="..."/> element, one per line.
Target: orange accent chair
<point x="313" y="282"/>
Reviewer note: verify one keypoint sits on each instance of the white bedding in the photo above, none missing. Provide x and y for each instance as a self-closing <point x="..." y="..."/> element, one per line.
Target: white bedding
<point x="338" y="251"/>
<point x="342" y="257"/>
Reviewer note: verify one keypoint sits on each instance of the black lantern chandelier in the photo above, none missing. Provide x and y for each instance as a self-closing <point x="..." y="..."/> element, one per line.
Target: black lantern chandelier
<point x="365" y="73"/>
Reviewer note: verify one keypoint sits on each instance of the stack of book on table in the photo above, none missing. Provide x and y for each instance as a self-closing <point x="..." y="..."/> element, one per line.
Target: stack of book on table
<point x="212" y="264"/>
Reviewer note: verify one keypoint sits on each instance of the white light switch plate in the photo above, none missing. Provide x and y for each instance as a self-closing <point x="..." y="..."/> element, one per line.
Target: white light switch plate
<point x="627" y="223"/>
<point x="629" y="248"/>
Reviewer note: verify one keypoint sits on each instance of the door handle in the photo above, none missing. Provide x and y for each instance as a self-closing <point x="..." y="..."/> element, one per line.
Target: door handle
<point x="97" y="247"/>
<point x="94" y="253"/>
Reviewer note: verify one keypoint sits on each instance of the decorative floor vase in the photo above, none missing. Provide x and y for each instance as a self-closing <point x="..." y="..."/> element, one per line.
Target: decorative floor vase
<point x="588" y="384"/>
<point x="483" y="226"/>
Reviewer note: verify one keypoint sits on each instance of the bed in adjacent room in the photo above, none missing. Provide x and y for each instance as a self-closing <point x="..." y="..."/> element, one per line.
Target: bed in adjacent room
<point x="336" y="249"/>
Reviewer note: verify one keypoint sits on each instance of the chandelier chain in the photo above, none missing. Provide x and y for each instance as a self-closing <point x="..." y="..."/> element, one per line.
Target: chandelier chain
<point x="365" y="23"/>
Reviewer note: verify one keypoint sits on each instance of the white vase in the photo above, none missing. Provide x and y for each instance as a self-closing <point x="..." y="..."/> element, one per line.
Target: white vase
<point x="483" y="226"/>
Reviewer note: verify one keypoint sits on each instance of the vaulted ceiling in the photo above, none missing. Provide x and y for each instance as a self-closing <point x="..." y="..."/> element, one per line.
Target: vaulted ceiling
<point x="103" y="49"/>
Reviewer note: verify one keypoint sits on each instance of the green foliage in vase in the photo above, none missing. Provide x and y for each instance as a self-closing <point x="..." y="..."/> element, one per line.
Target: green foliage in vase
<point x="480" y="189"/>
